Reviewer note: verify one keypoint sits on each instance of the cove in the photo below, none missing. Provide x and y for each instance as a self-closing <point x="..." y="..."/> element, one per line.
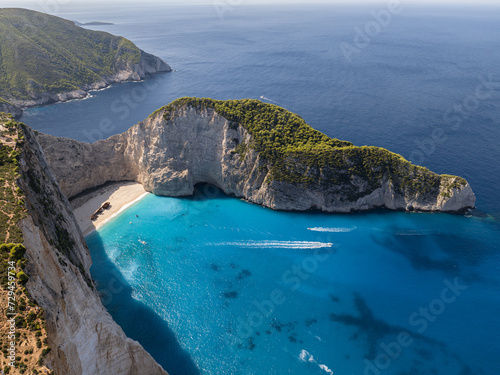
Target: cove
<point x="210" y="284"/>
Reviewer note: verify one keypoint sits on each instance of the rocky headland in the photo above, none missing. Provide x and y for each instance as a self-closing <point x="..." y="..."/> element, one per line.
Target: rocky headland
<point x="47" y="59"/>
<point x="255" y="151"/>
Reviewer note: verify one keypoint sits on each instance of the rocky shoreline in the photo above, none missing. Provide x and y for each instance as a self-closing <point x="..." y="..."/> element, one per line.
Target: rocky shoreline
<point x="148" y="65"/>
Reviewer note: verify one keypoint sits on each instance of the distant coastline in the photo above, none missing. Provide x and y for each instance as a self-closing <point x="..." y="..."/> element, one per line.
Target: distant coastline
<point x="93" y="23"/>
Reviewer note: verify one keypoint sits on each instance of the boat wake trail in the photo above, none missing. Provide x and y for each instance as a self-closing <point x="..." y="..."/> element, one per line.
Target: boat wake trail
<point x="268" y="100"/>
<point x="276" y="244"/>
<point x="332" y="230"/>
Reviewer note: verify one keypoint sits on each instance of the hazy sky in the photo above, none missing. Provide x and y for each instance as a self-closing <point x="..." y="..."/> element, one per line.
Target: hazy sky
<point x="61" y="6"/>
<point x="230" y="2"/>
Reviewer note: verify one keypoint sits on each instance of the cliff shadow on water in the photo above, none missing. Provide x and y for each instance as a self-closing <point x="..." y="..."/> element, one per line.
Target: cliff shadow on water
<point x="138" y="321"/>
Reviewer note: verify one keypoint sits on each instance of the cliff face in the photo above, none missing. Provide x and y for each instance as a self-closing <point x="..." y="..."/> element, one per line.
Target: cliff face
<point x="198" y="145"/>
<point x="83" y="336"/>
<point x="10" y="108"/>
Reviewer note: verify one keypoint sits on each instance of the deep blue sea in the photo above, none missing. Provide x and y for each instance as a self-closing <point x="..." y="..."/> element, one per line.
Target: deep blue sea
<point x="214" y="285"/>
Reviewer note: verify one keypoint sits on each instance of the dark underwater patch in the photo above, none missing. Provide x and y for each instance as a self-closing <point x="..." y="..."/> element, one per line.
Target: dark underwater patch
<point x="243" y="274"/>
<point x="334" y="298"/>
<point x="372" y="328"/>
<point x="214" y="267"/>
<point x="310" y="322"/>
<point x="230" y="295"/>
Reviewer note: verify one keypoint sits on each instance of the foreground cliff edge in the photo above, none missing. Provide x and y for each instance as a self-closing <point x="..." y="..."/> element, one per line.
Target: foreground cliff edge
<point x="52" y="263"/>
<point x="70" y="60"/>
<point x="256" y="151"/>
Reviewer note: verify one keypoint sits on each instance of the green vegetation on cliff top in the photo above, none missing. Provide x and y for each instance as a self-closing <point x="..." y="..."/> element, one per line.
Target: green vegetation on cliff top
<point x="12" y="207"/>
<point x="294" y="152"/>
<point x="29" y="318"/>
<point x="41" y="53"/>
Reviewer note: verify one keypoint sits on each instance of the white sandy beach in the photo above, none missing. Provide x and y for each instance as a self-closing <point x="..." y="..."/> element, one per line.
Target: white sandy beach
<point x="121" y="195"/>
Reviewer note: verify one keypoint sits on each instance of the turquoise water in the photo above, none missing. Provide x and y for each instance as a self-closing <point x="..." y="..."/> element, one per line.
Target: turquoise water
<point x="215" y="285"/>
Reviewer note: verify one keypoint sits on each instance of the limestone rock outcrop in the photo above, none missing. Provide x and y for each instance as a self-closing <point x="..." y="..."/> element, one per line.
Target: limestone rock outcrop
<point x="10" y="108"/>
<point x="169" y="157"/>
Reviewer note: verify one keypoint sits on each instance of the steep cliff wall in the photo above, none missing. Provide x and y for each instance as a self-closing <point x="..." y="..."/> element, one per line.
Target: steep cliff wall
<point x="84" y="338"/>
<point x="182" y="145"/>
<point x="10" y="108"/>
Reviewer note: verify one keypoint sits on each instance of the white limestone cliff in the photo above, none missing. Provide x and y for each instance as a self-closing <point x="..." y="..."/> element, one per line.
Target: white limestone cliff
<point x="198" y="145"/>
<point x="83" y="336"/>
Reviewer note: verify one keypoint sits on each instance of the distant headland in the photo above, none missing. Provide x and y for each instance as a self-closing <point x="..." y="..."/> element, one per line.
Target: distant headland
<point x="70" y="60"/>
<point x="93" y="23"/>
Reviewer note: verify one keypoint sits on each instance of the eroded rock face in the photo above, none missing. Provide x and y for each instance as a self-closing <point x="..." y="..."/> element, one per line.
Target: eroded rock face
<point x="170" y="157"/>
<point x="12" y="109"/>
<point x="83" y="336"/>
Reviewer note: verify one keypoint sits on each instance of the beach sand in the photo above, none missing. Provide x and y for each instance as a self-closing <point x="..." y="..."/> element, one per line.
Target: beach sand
<point x="121" y="195"/>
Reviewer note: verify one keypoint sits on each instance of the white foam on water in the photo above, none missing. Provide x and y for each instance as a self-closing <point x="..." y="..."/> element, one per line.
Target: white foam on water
<point x="276" y="244"/>
<point x="410" y="234"/>
<point x="325" y="369"/>
<point x="129" y="271"/>
<point x="332" y="230"/>
<point x="113" y="253"/>
<point x="104" y="88"/>
<point x="305" y="356"/>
